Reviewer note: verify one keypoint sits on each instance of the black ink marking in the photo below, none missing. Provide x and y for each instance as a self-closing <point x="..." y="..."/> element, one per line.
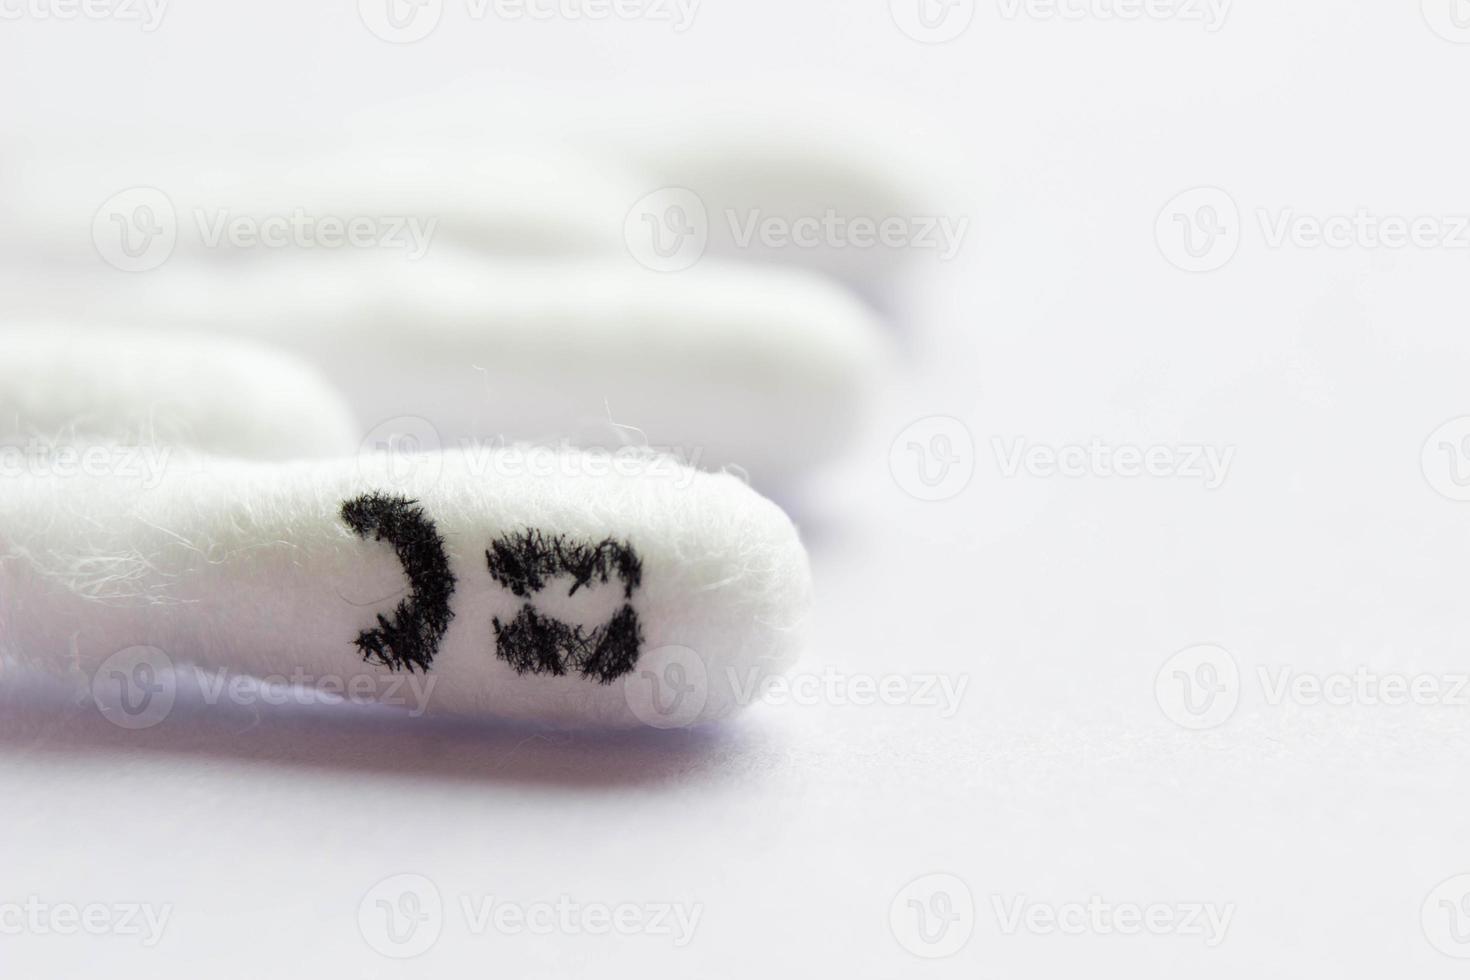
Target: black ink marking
<point x="614" y="647"/>
<point x="600" y="562"/>
<point x="411" y="638"/>
<point x="536" y="644"/>
<point x="532" y="643"/>
<point x="523" y="562"/>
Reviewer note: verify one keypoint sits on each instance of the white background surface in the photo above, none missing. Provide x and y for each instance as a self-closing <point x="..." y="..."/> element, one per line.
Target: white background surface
<point x="1055" y="600"/>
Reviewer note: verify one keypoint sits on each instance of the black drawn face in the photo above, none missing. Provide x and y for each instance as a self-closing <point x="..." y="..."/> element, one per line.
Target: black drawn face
<point x="526" y="563"/>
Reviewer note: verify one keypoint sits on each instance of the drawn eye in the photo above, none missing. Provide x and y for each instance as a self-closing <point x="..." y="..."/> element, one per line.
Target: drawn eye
<point x="533" y="643"/>
<point x="411" y="638"/>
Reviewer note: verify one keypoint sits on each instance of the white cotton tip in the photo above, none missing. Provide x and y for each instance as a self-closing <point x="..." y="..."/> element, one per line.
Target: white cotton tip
<point x="496" y="199"/>
<point x="66" y="385"/>
<point x="555" y="589"/>
<point x="855" y="184"/>
<point x="139" y="206"/>
<point x="772" y="370"/>
<point x="858" y="204"/>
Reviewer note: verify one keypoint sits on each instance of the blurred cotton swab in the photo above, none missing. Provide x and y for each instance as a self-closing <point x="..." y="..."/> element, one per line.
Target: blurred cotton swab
<point x="77" y="385"/>
<point x="772" y="370"/>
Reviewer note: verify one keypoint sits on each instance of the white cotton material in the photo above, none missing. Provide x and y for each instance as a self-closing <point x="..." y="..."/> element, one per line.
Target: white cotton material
<point x="305" y="194"/>
<point x="495" y="199"/>
<point x="772" y="370"/>
<point x="250" y="568"/>
<point x="72" y="384"/>
<point x="753" y="153"/>
<point x="763" y="188"/>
